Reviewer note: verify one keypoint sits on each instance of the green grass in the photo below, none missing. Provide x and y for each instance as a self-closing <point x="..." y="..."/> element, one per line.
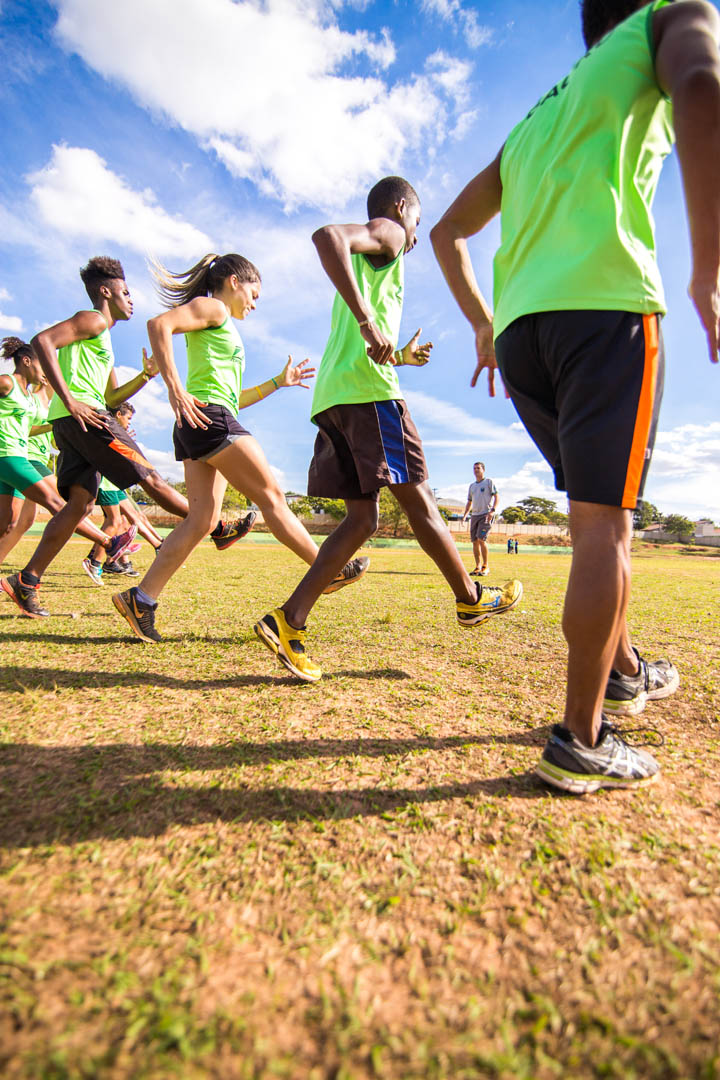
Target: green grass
<point x="210" y="870"/>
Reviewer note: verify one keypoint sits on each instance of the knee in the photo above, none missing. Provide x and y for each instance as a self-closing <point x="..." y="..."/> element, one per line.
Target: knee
<point x="273" y="501"/>
<point x="365" y="516"/>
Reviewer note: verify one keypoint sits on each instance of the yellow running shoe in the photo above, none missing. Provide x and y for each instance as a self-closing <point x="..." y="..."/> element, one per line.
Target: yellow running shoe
<point x="288" y="644"/>
<point x="492" y="600"/>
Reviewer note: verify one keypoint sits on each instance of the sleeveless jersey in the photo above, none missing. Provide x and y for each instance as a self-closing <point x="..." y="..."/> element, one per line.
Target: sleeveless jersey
<point x="579" y="175"/>
<point x="347" y="375"/>
<point x="40" y="447"/>
<point x="216" y="362"/>
<point x="85" y="367"/>
<point x="17" y="410"/>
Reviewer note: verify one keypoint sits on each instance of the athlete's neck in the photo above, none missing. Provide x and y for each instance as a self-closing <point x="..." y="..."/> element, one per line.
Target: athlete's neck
<point x="103" y="308"/>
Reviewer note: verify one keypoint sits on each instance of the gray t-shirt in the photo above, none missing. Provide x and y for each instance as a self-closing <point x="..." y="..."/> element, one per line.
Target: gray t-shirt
<point x="480" y="495"/>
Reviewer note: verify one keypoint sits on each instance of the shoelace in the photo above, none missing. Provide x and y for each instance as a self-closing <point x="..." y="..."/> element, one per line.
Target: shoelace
<point x="649" y="736"/>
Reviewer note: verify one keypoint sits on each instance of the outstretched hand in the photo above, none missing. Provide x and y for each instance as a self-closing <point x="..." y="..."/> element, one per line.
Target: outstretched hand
<point x="295" y="374"/>
<point x="413" y="354"/>
<point x="149" y="364"/>
<point x="705" y="295"/>
<point x="485" y="352"/>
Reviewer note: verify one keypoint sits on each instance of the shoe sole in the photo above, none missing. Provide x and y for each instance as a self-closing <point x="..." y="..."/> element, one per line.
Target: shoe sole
<point x="273" y="643"/>
<point x="665" y="691"/>
<point x="95" y="580"/>
<point x="577" y="784"/>
<point x="335" y="585"/>
<point x="130" y="619"/>
<point x="633" y="707"/>
<point x="477" y="619"/>
<point x="7" y="588"/>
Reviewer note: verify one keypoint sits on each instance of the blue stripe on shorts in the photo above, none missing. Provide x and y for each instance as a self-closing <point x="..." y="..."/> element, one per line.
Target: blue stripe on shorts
<point x="393" y="442"/>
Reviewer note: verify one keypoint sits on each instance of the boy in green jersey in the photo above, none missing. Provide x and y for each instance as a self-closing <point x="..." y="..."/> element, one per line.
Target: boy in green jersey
<point x="366" y="438"/>
<point x="576" y="334"/>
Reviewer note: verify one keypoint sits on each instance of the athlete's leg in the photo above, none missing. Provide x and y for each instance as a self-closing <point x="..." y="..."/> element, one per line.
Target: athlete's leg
<point x="46" y="494"/>
<point x="477" y="553"/>
<point x="359" y="524"/>
<point x="433" y="536"/>
<point x="483" y="552"/>
<point x="23" y="515"/>
<point x="66" y="519"/>
<point x="245" y="466"/>
<point x="595" y="604"/>
<point x="134" y="516"/>
<point x="164" y="495"/>
<point x="206" y="488"/>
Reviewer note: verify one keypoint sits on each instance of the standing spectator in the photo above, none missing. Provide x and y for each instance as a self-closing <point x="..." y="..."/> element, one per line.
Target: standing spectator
<point x="481" y="503"/>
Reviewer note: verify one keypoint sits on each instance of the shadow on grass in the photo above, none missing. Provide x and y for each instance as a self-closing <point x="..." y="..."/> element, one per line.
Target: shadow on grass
<point x="61" y="794"/>
<point x="20" y="679"/>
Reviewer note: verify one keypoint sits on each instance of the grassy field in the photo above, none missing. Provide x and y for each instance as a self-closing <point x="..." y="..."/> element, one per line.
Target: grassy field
<point x="210" y="870"/>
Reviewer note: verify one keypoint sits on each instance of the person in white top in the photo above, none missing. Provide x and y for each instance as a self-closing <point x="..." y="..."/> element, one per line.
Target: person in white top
<point x="481" y="504"/>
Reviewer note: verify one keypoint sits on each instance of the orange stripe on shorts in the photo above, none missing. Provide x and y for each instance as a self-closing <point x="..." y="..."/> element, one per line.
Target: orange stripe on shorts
<point x="643" y="419"/>
<point x="128" y="452"/>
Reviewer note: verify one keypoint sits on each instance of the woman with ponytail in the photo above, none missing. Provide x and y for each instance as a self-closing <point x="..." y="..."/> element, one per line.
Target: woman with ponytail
<point x="213" y="447"/>
<point x="20" y="478"/>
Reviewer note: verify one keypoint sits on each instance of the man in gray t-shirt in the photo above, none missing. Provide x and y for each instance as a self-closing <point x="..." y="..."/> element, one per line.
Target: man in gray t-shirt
<point x="481" y="503"/>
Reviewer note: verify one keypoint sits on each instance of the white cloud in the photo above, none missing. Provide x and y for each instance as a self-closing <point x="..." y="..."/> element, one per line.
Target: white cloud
<point x="277" y="90"/>
<point x="77" y="195"/>
<point x="685" y="471"/>
<point x="462" y="431"/>
<point x="533" y="478"/>
<point x="12" y="324"/>
<point x="463" y="19"/>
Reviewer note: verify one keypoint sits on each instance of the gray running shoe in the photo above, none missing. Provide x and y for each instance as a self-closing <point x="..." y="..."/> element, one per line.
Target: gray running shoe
<point x="93" y="570"/>
<point x="627" y="695"/>
<point x="568" y="764"/>
<point x="351" y="571"/>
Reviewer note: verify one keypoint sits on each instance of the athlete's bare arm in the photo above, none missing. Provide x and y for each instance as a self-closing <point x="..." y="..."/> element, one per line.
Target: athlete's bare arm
<point x="474" y="207"/>
<point x="198" y="314"/>
<point x="382" y="238"/>
<point x="6" y="385"/>
<point x="687" y="65"/>
<point x="115" y="395"/>
<point x="82" y="325"/>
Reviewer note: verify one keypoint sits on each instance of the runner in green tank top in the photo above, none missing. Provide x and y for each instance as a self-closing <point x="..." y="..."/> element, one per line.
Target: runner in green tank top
<point x="18" y="476"/>
<point x="366" y="438"/>
<point x="213" y="447"/>
<point x="578" y="299"/>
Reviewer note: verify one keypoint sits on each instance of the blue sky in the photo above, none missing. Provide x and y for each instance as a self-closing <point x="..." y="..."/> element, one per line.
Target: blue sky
<point x="176" y="127"/>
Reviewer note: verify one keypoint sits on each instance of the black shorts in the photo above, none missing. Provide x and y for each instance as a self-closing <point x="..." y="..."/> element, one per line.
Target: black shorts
<point x="199" y="444"/>
<point x="361" y="448"/>
<point x="86" y="455"/>
<point x="587" y="385"/>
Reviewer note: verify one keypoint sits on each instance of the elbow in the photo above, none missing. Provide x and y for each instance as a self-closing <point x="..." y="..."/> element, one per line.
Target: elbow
<point x="324" y="237"/>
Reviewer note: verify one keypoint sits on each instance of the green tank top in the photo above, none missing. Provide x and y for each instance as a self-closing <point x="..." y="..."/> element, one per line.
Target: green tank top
<point x="105" y="485"/>
<point x="579" y="175"/>
<point x="85" y="367"/>
<point x="216" y="362"/>
<point x="40" y="447"/>
<point x="347" y="375"/>
<point x="16" y="414"/>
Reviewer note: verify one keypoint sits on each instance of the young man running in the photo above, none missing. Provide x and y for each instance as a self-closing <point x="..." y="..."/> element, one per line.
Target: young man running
<point x="481" y="503"/>
<point x="366" y="438"/>
<point x="578" y="300"/>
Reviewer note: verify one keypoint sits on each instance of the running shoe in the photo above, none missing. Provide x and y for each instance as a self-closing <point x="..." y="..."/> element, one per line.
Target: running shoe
<point x="140" y="616"/>
<point x="613" y="762"/>
<point x="93" y="570"/>
<point x="288" y="644"/>
<point x="491" y="600"/>
<point x="133" y="549"/>
<point x="113" y="566"/>
<point x="25" y="596"/>
<point x="130" y="570"/>
<point x="120" y="544"/>
<point x="232" y="531"/>
<point x="627" y="695"/>
<point x="475" y="572"/>
<point x="350" y="572"/>
<point x="484" y="571"/>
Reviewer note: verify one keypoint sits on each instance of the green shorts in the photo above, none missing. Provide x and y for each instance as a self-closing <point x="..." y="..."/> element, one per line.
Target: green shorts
<point x="17" y="474"/>
<point x="110" y="498"/>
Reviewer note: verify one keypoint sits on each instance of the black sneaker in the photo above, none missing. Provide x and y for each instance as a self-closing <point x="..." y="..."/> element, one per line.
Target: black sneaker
<point x="232" y="531"/>
<point x="25" y="596"/>
<point x="627" y="695"/>
<point x="141" y="616"/>
<point x="113" y="566"/>
<point x="351" y="571"/>
<point x="568" y="764"/>
<point x="130" y="570"/>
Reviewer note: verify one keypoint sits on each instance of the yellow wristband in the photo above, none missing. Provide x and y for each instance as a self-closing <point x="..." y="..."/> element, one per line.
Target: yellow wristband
<point x="257" y="391"/>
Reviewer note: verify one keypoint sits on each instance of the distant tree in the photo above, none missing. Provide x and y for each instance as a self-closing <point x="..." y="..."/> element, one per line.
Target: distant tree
<point x="234" y="500"/>
<point x="305" y="506"/>
<point x="445" y="514"/>
<point x="679" y="526"/>
<point x="392" y="515"/>
<point x="546" y="508"/>
<point x="514" y="515"/>
<point x="537" y="519"/>
<point x="645" y="514"/>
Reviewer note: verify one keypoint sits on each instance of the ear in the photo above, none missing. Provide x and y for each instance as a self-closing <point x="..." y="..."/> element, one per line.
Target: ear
<point x="400" y="207"/>
<point x="105" y="292"/>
